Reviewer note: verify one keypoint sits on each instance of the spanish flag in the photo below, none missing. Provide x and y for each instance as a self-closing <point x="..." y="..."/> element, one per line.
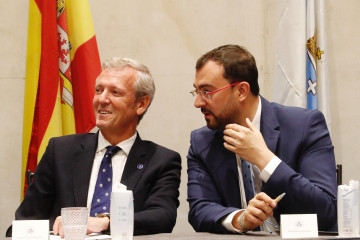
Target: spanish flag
<point x="62" y="63"/>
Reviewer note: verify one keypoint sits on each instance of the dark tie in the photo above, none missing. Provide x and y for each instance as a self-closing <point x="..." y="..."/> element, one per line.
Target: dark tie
<point x="248" y="183"/>
<point x="101" y="198"/>
<point x="247" y="179"/>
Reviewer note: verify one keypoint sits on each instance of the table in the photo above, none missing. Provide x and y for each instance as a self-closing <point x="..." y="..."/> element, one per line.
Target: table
<point x="211" y="236"/>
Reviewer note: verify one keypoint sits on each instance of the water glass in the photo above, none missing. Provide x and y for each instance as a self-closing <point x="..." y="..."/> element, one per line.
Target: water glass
<point x="74" y="220"/>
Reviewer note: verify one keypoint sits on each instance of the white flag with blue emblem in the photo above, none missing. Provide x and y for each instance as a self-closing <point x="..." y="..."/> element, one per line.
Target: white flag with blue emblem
<point x="301" y="70"/>
<point x="311" y="83"/>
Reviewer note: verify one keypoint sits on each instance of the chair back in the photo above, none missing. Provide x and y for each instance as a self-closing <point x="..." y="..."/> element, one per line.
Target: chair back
<point x="339" y="174"/>
<point x="29" y="177"/>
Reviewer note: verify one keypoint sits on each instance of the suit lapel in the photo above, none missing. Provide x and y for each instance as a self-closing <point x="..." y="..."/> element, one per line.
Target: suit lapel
<point x="136" y="163"/>
<point x="84" y="155"/>
<point x="224" y="166"/>
<point x="269" y="125"/>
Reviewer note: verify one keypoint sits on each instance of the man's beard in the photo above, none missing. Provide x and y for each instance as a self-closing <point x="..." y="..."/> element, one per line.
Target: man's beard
<point x="216" y="122"/>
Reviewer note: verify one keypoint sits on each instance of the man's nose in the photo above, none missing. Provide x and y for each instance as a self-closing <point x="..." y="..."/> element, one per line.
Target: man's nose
<point x="199" y="101"/>
<point x="104" y="97"/>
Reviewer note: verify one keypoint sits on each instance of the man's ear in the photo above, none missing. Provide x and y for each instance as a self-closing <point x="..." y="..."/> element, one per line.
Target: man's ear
<point x="142" y="104"/>
<point x="242" y="91"/>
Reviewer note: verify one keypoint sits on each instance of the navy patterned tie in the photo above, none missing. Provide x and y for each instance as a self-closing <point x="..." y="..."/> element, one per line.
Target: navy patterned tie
<point x="248" y="183"/>
<point x="101" y="198"/>
<point x="247" y="180"/>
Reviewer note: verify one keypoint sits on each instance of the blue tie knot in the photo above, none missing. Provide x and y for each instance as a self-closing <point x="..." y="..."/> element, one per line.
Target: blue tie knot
<point x="111" y="150"/>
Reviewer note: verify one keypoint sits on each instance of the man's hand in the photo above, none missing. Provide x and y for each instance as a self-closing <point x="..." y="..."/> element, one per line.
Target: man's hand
<point x="95" y="224"/>
<point x="258" y="210"/>
<point x="248" y="143"/>
<point x="58" y="227"/>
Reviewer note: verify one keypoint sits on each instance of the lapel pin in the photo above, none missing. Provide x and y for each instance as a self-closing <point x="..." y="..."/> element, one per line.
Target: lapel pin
<point x="140" y="166"/>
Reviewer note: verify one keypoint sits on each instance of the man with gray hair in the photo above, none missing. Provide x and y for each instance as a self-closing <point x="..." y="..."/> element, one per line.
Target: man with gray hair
<point x="72" y="169"/>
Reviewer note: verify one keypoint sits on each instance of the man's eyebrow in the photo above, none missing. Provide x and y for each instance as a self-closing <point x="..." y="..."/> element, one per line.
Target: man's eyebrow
<point x="203" y="86"/>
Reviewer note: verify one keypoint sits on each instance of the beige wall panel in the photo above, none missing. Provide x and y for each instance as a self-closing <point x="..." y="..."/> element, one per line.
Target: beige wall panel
<point x="13" y="34"/>
<point x="11" y="118"/>
<point x="344" y="70"/>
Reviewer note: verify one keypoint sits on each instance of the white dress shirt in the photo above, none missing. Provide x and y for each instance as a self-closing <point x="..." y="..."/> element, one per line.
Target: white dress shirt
<point x="264" y="175"/>
<point x="117" y="162"/>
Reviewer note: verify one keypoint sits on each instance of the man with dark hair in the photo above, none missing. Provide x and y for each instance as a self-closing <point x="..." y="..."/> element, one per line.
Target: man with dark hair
<point x="81" y="170"/>
<point x="252" y="151"/>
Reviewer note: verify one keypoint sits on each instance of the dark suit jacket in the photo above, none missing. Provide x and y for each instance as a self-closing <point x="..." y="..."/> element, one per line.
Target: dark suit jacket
<point x="62" y="180"/>
<point x="307" y="173"/>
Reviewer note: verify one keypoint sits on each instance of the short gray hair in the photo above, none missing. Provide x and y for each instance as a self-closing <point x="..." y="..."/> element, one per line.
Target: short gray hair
<point x="144" y="82"/>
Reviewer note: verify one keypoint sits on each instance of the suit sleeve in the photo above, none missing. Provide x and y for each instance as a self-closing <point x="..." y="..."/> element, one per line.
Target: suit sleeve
<point x="206" y="207"/>
<point x="159" y="211"/>
<point x="309" y="179"/>
<point x="39" y="196"/>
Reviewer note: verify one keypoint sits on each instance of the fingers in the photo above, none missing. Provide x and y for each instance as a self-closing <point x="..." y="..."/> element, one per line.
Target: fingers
<point x="251" y="125"/>
<point x="258" y="210"/>
<point x="229" y="147"/>
<point x="265" y="198"/>
<point x="235" y="134"/>
<point x="248" y="143"/>
<point x="58" y="227"/>
<point x="231" y="138"/>
<point x="238" y="132"/>
<point x="251" y="221"/>
<point x="236" y="127"/>
<point x="97" y="224"/>
<point x="240" y="140"/>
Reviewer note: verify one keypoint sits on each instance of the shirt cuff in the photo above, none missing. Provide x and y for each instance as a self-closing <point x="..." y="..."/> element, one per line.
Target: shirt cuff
<point x="227" y="222"/>
<point x="269" y="169"/>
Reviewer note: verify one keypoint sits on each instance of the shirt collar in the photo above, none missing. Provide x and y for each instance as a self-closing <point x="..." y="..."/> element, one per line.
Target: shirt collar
<point x="124" y="145"/>
<point x="256" y="120"/>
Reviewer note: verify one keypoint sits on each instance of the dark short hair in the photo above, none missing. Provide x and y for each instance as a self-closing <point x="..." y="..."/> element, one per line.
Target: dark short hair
<point x="239" y="65"/>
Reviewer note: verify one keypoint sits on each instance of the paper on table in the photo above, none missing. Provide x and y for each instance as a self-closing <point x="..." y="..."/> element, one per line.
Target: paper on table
<point x="92" y="236"/>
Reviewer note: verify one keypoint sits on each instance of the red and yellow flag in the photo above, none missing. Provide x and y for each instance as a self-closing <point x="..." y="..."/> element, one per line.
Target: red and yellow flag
<point x="62" y="63"/>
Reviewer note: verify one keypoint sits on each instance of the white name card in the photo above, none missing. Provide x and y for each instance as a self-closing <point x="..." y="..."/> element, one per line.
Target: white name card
<point x="299" y="226"/>
<point x="30" y="229"/>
